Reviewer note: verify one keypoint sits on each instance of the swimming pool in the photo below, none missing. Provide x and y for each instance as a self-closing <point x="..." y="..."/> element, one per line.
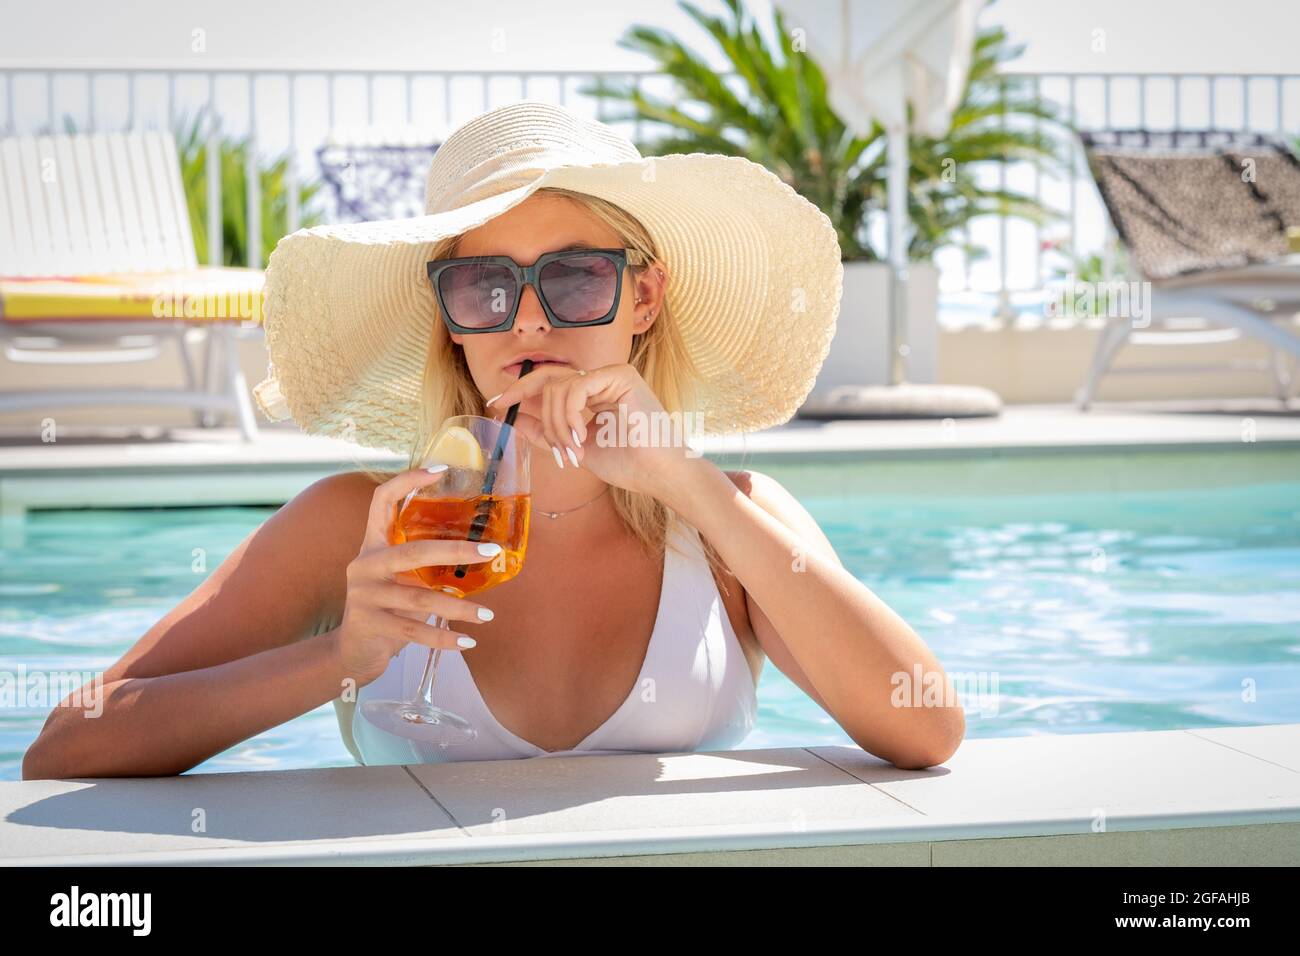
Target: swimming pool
<point x="1136" y="590"/>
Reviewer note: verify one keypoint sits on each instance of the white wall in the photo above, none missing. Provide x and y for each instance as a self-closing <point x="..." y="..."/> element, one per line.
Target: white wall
<point x="1256" y="36"/>
<point x="336" y="34"/>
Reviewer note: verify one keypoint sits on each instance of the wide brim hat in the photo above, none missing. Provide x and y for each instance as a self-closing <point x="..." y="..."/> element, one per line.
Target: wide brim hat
<point x="755" y="277"/>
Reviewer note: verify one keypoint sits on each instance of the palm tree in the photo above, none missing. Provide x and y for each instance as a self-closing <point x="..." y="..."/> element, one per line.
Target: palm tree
<point x="784" y="121"/>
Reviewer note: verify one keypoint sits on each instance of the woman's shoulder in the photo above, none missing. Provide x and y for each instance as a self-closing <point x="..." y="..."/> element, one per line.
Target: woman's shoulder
<point x="358" y="481"/>
<point x="341" y="504"/>
<point x="345" y="497"/>
<point x="349" y="493"/>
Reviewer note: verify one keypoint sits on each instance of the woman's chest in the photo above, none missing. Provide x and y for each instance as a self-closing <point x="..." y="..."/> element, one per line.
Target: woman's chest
<point x="566" y="645"/>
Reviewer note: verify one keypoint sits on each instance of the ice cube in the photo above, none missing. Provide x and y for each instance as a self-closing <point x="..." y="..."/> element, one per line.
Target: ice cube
<point x="461" y="482"/>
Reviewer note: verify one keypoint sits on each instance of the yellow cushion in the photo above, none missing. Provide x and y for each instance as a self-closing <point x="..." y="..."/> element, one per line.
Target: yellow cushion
<point x="198" y="295"/>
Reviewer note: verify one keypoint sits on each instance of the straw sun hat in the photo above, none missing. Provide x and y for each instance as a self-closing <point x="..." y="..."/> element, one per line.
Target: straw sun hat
<point x="754" y="276"/>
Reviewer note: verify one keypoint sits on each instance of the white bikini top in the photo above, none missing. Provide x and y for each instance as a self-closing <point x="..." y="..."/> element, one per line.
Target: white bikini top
<point x="695" y="690"/>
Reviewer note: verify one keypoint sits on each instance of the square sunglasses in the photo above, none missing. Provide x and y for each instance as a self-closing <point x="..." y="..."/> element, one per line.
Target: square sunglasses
<point x="576" y="287"/>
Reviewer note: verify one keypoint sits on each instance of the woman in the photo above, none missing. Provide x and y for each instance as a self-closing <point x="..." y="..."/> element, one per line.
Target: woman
<point x="654" y="582"/>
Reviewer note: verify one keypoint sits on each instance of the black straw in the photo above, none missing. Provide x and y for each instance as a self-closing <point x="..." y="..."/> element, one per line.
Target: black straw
<point x="485" y="503"/>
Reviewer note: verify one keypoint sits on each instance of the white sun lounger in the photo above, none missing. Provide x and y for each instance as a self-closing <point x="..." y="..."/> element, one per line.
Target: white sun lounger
<point x="97" y="265"/>
<point x="1208" y="219"/>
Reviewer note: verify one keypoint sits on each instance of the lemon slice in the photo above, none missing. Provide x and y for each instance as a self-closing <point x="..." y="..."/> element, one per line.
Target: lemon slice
<point x="458" y="447"/>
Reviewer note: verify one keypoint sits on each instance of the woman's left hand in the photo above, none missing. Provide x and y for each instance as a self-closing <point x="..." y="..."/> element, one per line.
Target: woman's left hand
<point x="629" y="453"/>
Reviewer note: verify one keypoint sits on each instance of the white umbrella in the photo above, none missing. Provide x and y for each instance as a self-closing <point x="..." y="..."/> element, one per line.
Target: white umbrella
<point x="878" y="57"/>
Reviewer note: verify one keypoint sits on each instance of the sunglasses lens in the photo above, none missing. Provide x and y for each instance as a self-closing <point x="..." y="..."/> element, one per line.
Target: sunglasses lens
<point x="477" y="296"/>
<point x="580" y="288"/>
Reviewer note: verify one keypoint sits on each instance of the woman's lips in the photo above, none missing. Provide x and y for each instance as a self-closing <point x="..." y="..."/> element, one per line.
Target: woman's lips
<point x="515" y="366"/>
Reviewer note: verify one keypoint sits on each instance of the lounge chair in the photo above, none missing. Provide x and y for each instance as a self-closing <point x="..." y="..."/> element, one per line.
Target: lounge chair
<point x="1211" y="219"/>
<point x="97" y="266"/>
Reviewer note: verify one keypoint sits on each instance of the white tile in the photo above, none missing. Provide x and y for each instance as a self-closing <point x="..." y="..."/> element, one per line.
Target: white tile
<point x="1276" y="743"/>
<point x="1160" y="771"/>
<point x="53" y="818"/>
<point x="781" y="787"/>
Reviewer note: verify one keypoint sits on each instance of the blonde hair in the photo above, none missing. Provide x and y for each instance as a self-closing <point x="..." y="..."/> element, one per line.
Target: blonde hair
<point x="658" y="354"/>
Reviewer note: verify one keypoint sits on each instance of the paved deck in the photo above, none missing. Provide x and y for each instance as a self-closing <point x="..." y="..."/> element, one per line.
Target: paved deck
<point x="215" y="466"/>
<point x="1218" y="796"/>
<point x="97" y="468"/>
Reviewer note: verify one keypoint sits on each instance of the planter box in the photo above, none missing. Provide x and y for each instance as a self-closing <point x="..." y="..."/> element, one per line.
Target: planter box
<point x="859" y="351"/>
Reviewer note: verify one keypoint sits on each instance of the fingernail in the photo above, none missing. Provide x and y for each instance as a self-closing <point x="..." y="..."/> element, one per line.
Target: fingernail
<point x="489" y="548"/>
<point x="576" y="440"/>
<point x="434" y="469"/>
<point x="493" y="398"/>
<point x="466" y="641"/>
<point x="572" y="457"/>
<point x="485" y="614"/>
<point x="558" y="460"/>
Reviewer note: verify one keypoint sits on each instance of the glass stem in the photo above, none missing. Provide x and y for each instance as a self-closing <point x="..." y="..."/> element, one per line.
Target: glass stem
<point x="425" y="693"/>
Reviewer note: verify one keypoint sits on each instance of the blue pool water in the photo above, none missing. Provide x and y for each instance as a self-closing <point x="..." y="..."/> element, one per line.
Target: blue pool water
<point x="1131" y="593"/>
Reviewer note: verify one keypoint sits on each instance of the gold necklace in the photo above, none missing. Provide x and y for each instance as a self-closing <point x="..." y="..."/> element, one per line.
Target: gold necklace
<point x="560" y="514"/>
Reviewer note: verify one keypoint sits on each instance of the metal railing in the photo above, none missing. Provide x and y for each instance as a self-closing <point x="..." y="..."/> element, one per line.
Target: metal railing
<point x="49" y="118"/>
<point x="1089" y="101"/>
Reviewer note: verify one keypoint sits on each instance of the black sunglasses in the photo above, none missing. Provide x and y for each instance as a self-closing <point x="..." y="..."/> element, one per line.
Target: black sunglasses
<point x="577" y="288"/>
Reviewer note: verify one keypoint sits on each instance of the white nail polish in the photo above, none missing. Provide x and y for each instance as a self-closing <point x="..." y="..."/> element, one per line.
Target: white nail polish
<point x="493" y="398"/>
<point x="434" y="469"/>
<point x="485" y="614"/>
<point x="466" y="641"/>
<point x="576" y="440"/>
<point x="572" y="457"/>
<point x="489" y="548"/>
<point x="558" y="460"/>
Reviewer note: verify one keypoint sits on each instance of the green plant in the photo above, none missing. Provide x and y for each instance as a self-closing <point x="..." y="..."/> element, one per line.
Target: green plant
<point x="1086" y="279"/>
<point x="1089" y="268"/>
<point x="785" y="122"/>
<point x="191" y="145"/>
<point x="191" y="149"/>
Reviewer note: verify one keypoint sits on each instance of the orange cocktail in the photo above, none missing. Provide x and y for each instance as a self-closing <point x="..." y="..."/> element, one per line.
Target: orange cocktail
<point x="451" y="518"/>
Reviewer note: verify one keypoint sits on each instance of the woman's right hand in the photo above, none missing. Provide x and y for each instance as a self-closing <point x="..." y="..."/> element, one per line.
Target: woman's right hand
<point x="387" y="604"/>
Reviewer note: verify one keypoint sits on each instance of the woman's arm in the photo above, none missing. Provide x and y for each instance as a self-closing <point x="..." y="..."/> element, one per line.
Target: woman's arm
<point x="804" y="606"/>
<point x="242" y="652"/>
<point x="159" y="726"/>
